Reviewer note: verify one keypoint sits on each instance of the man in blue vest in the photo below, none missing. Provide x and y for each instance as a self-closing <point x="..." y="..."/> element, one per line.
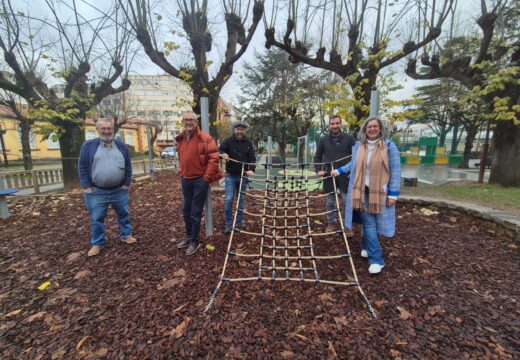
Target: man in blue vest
<point x="105" y="172"/>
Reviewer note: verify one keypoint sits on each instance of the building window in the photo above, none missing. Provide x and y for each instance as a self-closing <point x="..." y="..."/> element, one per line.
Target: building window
<point x="91" y="134"/>
<point x="53" y="142"/>
<point x="130" y="138"/>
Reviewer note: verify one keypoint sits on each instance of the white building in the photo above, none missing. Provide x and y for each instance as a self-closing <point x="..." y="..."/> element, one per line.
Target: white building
<point x="152" y="98"/>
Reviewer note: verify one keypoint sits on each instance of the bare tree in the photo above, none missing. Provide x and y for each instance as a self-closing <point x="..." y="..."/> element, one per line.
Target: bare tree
<point x="362" y="36"/>
<point x="196" y="16"/>
<point x="70" y="49"/>
<point x="490" y="73"/>
<point x="19" y="110"/>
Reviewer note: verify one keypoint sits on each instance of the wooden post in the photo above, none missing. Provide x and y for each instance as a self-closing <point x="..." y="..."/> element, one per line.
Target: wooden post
<point x="35" y="182"/>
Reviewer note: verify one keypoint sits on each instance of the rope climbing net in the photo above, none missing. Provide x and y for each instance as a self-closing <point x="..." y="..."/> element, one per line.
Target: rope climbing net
<point x="285" y="236"/>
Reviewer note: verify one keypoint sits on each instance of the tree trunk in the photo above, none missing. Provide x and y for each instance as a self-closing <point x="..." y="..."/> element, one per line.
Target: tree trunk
<point x="455" y="140"/>
<point x="70" y="144"/>
<point x="505" y="170"/>
<point x="471" y="134"/>
<point x="442" y="135"/>
<point x="25" y="130"/>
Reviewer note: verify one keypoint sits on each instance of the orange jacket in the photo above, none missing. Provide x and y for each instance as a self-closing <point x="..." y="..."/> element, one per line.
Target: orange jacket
<point x="207" y="166"/>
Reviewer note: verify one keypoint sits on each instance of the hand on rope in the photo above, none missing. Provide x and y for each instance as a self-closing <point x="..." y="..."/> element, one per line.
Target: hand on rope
<point x="321" y="173"/>
<point x="334" y="173"/>
<point x="224" y="156"/>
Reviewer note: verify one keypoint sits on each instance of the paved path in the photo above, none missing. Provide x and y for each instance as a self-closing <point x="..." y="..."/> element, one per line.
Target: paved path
<point x="508" y="219"/>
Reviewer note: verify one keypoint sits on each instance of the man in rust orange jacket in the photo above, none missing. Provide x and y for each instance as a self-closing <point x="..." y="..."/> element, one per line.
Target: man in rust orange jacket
<point x="198" y="167"/>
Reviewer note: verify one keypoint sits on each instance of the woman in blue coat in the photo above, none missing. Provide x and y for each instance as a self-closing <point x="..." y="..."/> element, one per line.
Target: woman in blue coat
<point x="373" y="188"/>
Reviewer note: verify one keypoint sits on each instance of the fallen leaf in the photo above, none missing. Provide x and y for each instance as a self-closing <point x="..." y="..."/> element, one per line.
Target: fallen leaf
<point x="168" y="284"/>
<point x="260" y="333"/>
<point x="81" y="274"/>
<point x="210" y="247"/>
<point x="227" y="339"/>
<point x="319" y="223"/>
<point x="102" y="352"/>
<point x="180" y="272"/>
<point x="404" y="314"/>
<point x="82" y="341"/>
<point x="181" y="328"/>
<point x="179" y="308"/>
<point x="420" y="260"/>
<point x="332" y="351"/>
<point x="73" y="257"/>
<point x="341" y="320"/>
<point x="380" y="303"/>
<point x="286" y="354"/>
<point x="36" y="316"/>
<point x="44" y="286"/>
<point x="325" y="297"/>
<point x="13" y="313"/>
<point x="395" y="353"/>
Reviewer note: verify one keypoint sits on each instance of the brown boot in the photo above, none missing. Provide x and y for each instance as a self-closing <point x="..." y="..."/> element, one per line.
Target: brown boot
<point x="129" y="240"/>
<point x="331" y="228"/>
<point x="94" y="250"/>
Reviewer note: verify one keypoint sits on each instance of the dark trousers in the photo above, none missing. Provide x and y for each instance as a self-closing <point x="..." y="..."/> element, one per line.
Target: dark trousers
<point x="195" y="192"/>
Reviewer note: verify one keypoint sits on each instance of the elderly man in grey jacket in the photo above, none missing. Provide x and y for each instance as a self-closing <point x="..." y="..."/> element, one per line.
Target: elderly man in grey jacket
<point x="333" y="150"/>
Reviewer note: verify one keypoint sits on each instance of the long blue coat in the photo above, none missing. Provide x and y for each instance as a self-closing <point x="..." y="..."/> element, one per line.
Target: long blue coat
<point x="386" y="220"/>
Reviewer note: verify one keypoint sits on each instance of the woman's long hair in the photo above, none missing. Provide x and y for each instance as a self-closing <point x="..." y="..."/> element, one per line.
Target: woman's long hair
<point x="362" y="134"/>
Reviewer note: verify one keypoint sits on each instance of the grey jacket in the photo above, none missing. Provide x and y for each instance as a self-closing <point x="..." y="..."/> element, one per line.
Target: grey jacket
<point x="329" y="151"/>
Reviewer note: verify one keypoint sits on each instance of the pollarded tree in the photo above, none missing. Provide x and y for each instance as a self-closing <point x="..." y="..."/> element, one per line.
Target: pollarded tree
<point x="195" y="21"/>
<point x="362" y="37"/>
<point x="34" y="46"/>
<point x="491" y="74"/>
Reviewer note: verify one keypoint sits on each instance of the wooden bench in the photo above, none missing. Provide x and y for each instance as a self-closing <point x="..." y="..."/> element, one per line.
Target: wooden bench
<point x="4" y="210"/>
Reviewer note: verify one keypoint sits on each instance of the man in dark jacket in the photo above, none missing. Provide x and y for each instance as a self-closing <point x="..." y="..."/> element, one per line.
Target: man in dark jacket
<point x="237" y="147"/>
<point x="335" y="146"/>
<point x="105" y="172"/>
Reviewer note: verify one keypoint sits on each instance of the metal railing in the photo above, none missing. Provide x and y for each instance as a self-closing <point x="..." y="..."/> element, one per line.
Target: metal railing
<point x="35" y="179"/>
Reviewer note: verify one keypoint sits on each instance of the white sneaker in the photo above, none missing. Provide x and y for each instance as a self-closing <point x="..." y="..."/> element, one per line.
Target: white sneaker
<point x="375" y="268"/>
<point x="364" y="253"/>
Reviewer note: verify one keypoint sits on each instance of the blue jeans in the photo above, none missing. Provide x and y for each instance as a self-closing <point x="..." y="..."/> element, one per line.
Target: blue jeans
<point x="370" y="241"/>
<point x="195" y="192"/>
<point x="332" y="217"/>
<point x="232" y="184"/>
<point x="97" y="205"/>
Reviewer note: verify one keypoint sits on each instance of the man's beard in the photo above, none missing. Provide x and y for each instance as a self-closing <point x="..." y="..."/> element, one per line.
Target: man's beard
<point x="106" y="138"/>
<point x="239" y="136"/>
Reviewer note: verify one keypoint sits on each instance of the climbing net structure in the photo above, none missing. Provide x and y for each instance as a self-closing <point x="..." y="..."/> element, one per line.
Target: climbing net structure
<point x="286" y="235"/>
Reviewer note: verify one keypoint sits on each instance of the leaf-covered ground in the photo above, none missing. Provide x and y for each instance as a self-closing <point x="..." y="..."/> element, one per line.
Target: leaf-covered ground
<point x="449" y="290"/>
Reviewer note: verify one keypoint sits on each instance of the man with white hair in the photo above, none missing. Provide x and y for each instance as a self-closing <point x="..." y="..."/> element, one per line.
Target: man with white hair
<point x="198" y="168"/>
<point x="105" y="173"/>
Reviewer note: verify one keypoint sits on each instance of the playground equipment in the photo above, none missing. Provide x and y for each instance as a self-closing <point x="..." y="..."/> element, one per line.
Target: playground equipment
<point x="285" y="245"/>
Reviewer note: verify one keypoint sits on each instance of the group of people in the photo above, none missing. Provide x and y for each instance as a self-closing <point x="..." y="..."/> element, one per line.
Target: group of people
<point x="367" y="174"/>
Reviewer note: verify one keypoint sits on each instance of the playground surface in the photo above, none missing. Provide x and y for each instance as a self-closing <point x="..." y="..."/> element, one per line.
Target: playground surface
<point x="449" y="290"/>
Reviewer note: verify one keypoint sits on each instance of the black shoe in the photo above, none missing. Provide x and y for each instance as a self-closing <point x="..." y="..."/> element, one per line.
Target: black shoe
<point x="184" y="243"/>
<point x="192" y="249"/>
<point x="228" y="229"/>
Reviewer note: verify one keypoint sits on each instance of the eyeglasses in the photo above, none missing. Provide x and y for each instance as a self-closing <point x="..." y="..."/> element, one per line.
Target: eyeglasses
<point x="188" y="120"/>
<point x="105" y="128"/>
